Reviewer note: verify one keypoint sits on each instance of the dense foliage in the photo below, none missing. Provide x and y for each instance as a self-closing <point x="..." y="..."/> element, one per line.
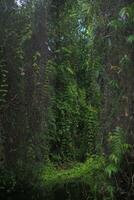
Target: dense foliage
<point x="66" y="99"/>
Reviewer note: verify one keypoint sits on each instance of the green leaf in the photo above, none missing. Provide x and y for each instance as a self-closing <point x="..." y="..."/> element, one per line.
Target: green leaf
<point x="66" y="50"/>
<point x="124" y="12"/>
<point x="130" y="39"/>
<point x="110" y="169"/>
<point x="70" y="70"/>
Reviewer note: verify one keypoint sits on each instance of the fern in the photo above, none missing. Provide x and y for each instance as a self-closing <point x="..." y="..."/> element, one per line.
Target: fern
<point x="118" y="149"/>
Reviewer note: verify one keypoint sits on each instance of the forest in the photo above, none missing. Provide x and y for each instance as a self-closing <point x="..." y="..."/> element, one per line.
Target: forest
<point x="66" y="99"/>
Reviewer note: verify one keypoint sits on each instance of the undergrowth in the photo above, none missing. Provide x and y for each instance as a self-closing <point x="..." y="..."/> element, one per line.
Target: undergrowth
<point x="98" y="172"/>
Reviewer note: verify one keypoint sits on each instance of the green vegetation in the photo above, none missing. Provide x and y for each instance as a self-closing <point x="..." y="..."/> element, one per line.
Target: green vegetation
<point x="96" y="172"/>
<point x="66" y="99"/>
